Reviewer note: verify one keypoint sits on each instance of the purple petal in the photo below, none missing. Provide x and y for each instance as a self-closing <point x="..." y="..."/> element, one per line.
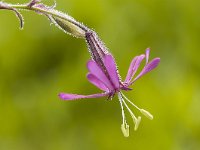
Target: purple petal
<point x="112" y="69"/>
<point x="66" y="96"/>
<point x="130" y="70"/>
<point x="98" y="83"/>
<point x="150" y="66"/>
<point x="96" y="71"/>
<point x="147" y="55"/>
<point x="135" y="63"/>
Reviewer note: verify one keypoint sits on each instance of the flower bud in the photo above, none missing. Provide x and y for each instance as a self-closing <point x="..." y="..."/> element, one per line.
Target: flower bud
<point x="69" y="27"/>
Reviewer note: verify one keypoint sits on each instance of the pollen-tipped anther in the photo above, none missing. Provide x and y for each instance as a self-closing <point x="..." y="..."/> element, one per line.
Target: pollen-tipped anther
<point x="137" y="123"/>
<point x="147" y="114"/>
<point x="125" y="129"/>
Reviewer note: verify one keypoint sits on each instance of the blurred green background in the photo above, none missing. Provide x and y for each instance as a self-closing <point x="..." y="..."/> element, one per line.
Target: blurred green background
<point x="40" y="61"/>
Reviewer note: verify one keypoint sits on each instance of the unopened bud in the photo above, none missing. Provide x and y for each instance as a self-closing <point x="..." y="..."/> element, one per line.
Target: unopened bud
<point x="69" y="27"/>
<point x="146" y="113"/>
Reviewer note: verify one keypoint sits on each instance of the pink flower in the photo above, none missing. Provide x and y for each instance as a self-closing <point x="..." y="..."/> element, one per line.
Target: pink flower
<point x="107" y="79"/>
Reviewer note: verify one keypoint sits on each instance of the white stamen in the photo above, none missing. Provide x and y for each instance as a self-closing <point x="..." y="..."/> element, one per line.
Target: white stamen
<point x="122" y="108"/>
<point x="130" y="102"/>
<point x="135" y="120"/>
<point x="144" y="112"/>
<point x="131" y="113"/>
<point x="124" y="126"/>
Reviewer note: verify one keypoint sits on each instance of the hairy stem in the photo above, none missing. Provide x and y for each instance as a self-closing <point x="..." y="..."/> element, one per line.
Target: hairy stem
<point x="51" y="12"/>
<point x="65" y="22"/>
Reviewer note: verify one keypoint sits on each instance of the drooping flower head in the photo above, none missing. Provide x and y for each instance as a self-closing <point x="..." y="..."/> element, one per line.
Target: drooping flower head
<point x="107" y="79"/>
<point x="102" y="68"/>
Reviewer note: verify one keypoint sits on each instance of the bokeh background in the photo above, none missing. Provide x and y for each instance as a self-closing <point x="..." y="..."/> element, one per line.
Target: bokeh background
<point x="40" y="61"/>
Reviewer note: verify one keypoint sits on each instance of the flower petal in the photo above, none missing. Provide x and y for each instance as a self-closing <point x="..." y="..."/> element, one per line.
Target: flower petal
<point x="67" y="96"/>
<point x="135" y="63"/>
<point x="112" y="69"/>
<point x="147" y="55"/>
<point x="95" y="81"/>
<point x="130" y="70"/>
<point x="95" y="70"/>
<point x="150" y="66"/>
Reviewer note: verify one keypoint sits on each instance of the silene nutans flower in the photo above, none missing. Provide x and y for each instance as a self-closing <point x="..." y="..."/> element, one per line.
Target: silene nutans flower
<point x="104" y="75"/>
<point x="102" y="67"/>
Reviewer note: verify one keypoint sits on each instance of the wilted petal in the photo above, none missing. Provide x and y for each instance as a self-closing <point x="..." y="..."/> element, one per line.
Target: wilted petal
<point x="135" y="63"/>
<point x="66" y="96"/>
<point x="150" y="66"/>
<point x="112" y="69"/>
<point x="98" y="83"/>
<point x="95" y="70"/>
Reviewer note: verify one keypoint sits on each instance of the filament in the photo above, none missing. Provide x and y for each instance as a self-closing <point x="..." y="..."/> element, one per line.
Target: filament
<point x="122" y="108"/>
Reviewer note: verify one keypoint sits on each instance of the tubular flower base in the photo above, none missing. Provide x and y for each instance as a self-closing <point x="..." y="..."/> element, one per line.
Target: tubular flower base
<point x="108" y="80"/>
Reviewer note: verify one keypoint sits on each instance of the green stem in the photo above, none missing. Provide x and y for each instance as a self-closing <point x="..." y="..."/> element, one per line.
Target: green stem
<point x="65" y="22"/>
<point x="54" y="13"/>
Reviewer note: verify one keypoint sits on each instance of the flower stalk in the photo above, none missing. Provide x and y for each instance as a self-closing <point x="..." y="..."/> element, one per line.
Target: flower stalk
<point x="62" y="20"/>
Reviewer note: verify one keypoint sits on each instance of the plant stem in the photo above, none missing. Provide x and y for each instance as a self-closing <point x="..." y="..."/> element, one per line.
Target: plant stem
<point x="51" y="12"/>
